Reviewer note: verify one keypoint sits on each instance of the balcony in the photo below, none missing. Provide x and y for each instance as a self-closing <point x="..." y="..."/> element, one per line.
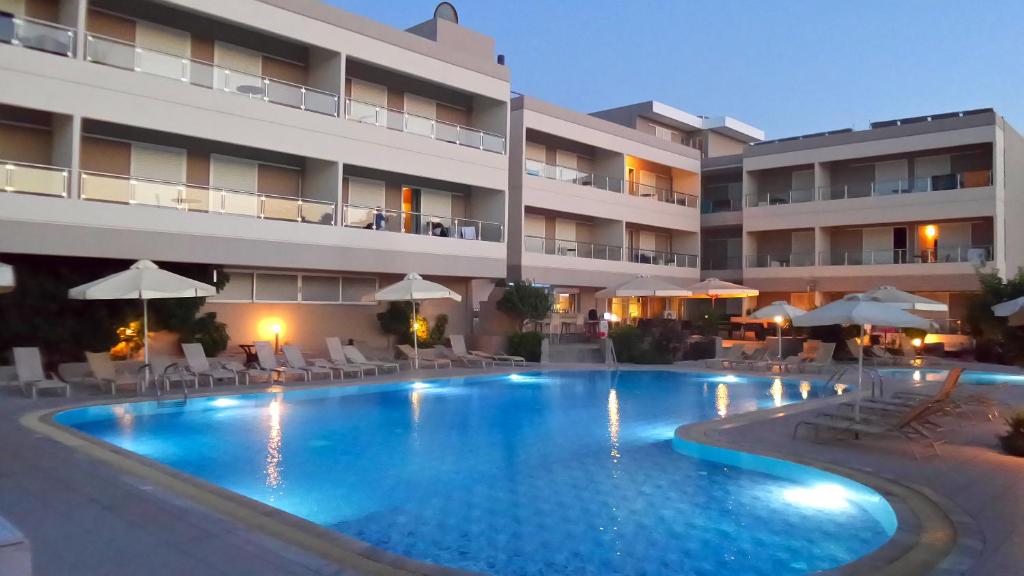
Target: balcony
<point x="573" y="248"/>
<point x="791" y="260"/>
<point x="405" y="222"/>
<point x="976" y="255"/>
<point x="36" y="179"/>
<point x="37" y="35"/>
<point x="721" y="198"/>
<point x="119" y="189"/>
<point x="609" y="183"/>
<point x="721" y="263"/>
<point x="127" y="56"/>
<point x="433" y="128"/>
<point x="779" y="198"/>
<point x="957" y="181"/>
<point x="659" y="258"/>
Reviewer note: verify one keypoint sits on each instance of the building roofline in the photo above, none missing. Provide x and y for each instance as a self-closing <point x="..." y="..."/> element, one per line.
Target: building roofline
<point x="337" y="17"/>
<point x="524" y="102"/>
<point x="683" y="120"/>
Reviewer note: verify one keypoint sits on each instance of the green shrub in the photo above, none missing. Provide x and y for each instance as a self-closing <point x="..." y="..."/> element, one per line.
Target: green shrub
<point x="436" y="332"/>
<point x="652" y="342"/>
<point x="526" y="344"/>
<point x="206" y="330"/>
<point x="525" y="302"/>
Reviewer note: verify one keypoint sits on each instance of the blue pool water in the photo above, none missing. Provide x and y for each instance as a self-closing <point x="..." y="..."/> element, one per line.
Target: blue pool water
<point x="543" y="473"/>
<point x="927" y="375"/>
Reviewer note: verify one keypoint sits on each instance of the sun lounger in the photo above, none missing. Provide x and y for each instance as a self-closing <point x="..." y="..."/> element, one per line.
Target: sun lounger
<point x="822" y="358"/>
<point x="751" y="360"/>
<point x="199" y="366"/>
<point x="425" y="356"/>
<point x="355" y="355"/>
<point x="268" y="361"/>
<point x="729" y="355"/>
<point x="467" y="361"/>
<point x="106" y="374"/>
<point x="293" y="357"/>
<point x="500" y="357"/>
<point x="338" y="361"/>
<point x="28" y="366"/>
<point x="458" y="352"/>
<point x="167" y="370"/>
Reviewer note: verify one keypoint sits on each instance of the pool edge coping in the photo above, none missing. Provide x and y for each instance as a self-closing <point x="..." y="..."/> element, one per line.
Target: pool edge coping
<point x="933" y="535"/>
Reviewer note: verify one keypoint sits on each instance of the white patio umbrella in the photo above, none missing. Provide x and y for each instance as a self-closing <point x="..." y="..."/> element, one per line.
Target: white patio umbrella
<point x="905" y="300"/>
<point x="6" y="278"/>
<point x="776" y="311"/>
<point x="714" y="289"/>
<point x="415" y="289"/>
<point x="857" y="309"/>
<point x="1013" y="309"/>
<point x="643" y="285"/>
<point x="143" y="281"/>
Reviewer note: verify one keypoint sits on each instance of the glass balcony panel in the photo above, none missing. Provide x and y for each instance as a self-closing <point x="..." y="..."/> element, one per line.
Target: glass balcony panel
<point x="317" y="213"/>
<point x="322" y="102"/>
<point x="34" y="180"/>
<point x="284" y="93"/>
<point x="363" y="112"/>
<point x="276" y="208"/>
<point x="110" y="52"/>
<point x="196" y="199"/>
<point x="242" y="83"/>
<point x="201" y="74"/>
<point x="419" y="125"/>
<point x="44" y="36"/>
<point x="155" y="193"/>
<point x="493" y="143"/>
<point x="240" y="203"/>
<point x="160" y="64"/>
<point x="393" y="119"/>
<point x="446" y="132"/>
<point x="470" y="137"/>
<point x="106" y="188"/>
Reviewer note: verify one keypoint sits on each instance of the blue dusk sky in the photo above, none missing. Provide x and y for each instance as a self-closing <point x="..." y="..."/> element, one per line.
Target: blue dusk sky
<point x="788" y="67"/>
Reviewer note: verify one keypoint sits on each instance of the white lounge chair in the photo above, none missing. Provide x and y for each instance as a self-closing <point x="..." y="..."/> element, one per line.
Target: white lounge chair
<point x="822" y="358"/>
<point x="458" y="352"/>
<point x="293" y="356"/>
<point x="106" y="373"/>
<point x="199" y="366"/>
<point x="28" y="365"/>
<point x="731" y="354"/>
<point x="339" y="362"/>
<point x="268" y="361"/>
<point x="425" y="356"/>
<point x="356" y="357"/>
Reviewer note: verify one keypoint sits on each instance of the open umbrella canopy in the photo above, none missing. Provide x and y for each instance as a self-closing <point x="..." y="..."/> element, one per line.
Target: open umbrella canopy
<point x="414" y="287"/>
<point x="779" y="308"/>
<point x="905" y="300"/>
<point x="714" y="288"/>
<point x="143" y="281"/>
<point x="1013" y="309"/>
<point x="859" y="310"/>
<point x="6" y="278"/>
<point x="643" y="285"/>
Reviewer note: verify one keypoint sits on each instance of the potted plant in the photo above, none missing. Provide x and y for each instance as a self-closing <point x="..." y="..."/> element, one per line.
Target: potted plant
<point x="1013" y="441"/>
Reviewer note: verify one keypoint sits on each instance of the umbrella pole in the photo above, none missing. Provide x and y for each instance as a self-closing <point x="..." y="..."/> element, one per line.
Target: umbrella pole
<point x="145" y="341"/>
<point x="860" y="375"/>
<point x="779" y="326"/>
<point x="415" y="335"/>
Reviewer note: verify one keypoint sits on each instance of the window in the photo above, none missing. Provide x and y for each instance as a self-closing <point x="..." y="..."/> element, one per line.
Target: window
<point x="321" y="288"/>
<point x="356" y="290"/>
<point x="238" y="288"/>
<point x="277" y="288"/>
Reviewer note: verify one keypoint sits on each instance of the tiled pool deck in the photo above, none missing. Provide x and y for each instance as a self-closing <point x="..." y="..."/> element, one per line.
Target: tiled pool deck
<point x="86" y="517"/>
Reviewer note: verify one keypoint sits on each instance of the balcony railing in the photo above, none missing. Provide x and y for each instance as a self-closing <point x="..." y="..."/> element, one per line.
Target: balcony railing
<point x="969" y="179"/>
<point x="777" y="198"/>
<point x="721" y="198"/>
<point x="780" y="260"/>
<point x="720" y="263"/>
<point x="539" y="245"/>
<point x="355" y="216"/>
<point x="33" y="179"/>
<point x="978" y="255"/>
<point x="128" y="56"/>
<point x="121" y="189"/>
<point x="609" y="183"/>
<point x="37" y="35"/>
<point x="403" y="121"/>
<point x="660" y="258"/>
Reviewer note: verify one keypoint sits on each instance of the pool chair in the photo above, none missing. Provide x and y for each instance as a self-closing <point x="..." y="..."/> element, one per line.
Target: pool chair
<point x="749" y="362"/>
<point x="900" y="402"/>
<point x="467" y="361"/>
<point x="458" y="352"/>
<point x="268" y="361"/>
<point x="28" y="365"/>
<point x="498" y="357"/>
<point x="909" y="424"/>
<point x="822" y="359"/>
<point x="199" y="366"/>
<point x="425" y="357"/>
<point x="294" y="359"/>
<point x="105" y="373"/>
<point x="355" y="355"/>
<point x="729" y="355"/>
<point x="166" y="370"/>
<point x="339" y="362"/>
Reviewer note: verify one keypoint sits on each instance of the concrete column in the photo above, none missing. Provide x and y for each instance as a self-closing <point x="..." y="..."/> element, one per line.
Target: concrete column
<point x="822" y="178"/>
<point x="67" y="144"/>
<point x="822" y="245"/>
<point x="72" y="14"/>
<point x="327" y="72"/>
<point x="749" y="246"/>
<point x="749" y="186"/>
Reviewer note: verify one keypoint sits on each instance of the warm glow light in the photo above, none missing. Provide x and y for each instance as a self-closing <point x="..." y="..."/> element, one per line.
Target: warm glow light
<point x="820" y="496"/>
<point x="776" y="392"/>
<point x="722" y="400"/>
<point x="420" y="385"/>
<point x="273" y="459"/>
<point x="916" y="342"/>
<point x="931" y="231"/>
<point x="613" y="423"/>
<point x="415" y="399"/>
<point x="779" y="319"/>
<point x="271" y="326"/>
<point x="224" y="402"/>
<point x="917" y="376"/>
<point x="805" y="389"/>
<point x="840" y="388"/>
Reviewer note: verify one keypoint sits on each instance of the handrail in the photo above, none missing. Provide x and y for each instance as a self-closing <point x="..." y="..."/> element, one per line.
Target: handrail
<point x="778" y="198"/>
<point x="219" y="200"/>
<point x="959" y="181"/>
<point x="186" y="74"/>
<point x="662" y="258"/>
<point x="488" y="141"/>
<point x="789" y="260"/>
<point x="19" y="38"/>
<point x="10" y="180"/>
<point x="573" y="248"/>
<point x="978" y="254"/>
<point x="408" y="221"/>
<point x="731" y="263"/>
<point x="609" y="183"/>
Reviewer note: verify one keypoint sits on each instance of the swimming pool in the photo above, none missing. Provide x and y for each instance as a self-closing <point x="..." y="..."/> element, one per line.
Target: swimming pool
<point x="561" y="472"/>
<point x="975" y="377"/>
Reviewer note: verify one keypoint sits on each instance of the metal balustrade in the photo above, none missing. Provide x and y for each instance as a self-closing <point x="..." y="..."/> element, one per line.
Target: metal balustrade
<point x="37" y="35"/>
<point x="37" y="179"/>
<point x="660" y="258"/>
<point x="609" y="183"/>
<point x="978" y="255"/>
<point x="575" y="248"/>
<point x="791" y="260"/>
<point x="953" y="181"/>
<point x="406" y="222"/>
<point x="403" y="121"/>
<point x="120" y="189"/>
<point x="128" y="56"/>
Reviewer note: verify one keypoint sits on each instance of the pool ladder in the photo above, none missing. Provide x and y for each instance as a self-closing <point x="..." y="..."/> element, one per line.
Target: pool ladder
<point x="871" y="374"/>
